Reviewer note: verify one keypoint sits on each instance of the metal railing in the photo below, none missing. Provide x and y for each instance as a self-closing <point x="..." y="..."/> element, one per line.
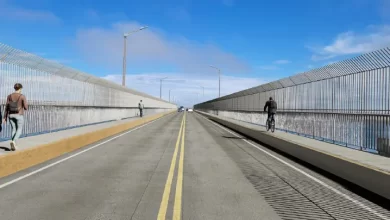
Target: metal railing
<point x="345" y="103"/>
<point x="61" y="97"/>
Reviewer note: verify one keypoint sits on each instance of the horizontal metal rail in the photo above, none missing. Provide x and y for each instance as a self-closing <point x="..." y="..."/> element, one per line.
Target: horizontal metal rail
<point x="371" y="113"/>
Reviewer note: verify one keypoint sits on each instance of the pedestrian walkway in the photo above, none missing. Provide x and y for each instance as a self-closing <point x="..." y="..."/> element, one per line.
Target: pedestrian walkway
<point x="363" y="158"/>
<point x="37" y="140"/>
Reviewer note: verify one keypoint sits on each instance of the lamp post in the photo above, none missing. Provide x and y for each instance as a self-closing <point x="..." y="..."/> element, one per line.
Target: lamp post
<point x="161" y="86"/>
<point x="170" y="95"/>
<point x="197" y="97"/>
<point x="203" y="90"/>
<point x="125" y="35"/>
<point x="219" y="75"/>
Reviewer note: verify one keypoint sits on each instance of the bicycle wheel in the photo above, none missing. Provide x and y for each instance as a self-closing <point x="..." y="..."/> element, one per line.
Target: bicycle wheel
<point x="273" y="126"/>
<point x="267" y="125"/>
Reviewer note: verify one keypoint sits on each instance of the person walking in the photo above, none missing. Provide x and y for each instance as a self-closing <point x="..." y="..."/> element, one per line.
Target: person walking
<point x="14" y="111"/>
<point x="1" y="127"/>
<point x="141" y="108"/>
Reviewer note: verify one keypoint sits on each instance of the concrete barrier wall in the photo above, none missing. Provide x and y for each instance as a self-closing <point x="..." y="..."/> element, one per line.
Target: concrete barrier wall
<point x="20" y="160"/>
<point x="370" y="178"/>
<point x="46" y="119"/>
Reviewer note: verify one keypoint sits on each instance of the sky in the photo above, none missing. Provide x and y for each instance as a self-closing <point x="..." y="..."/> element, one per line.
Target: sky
<point x="251" y="41"/>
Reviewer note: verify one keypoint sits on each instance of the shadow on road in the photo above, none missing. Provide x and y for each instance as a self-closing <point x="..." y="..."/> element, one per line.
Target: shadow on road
<point x="229" y="137"/>
<point x="5" y="148"/>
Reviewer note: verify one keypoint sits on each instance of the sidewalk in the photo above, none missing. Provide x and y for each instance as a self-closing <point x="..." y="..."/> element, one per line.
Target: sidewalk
<point x="37" y="140"/>
<point x="360" y="157"/>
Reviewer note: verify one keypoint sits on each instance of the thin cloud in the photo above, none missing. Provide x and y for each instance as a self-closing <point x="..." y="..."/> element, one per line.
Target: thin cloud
<point x="268" y="67"/>
<point x="384" y="9"/>
<point x="282" y="62"/>
<point x="187" y="90"/>
<point x="16" y="13"/>
<point x="179" y="14"/>
<point x="330" y="62"/>
<point x="92" y="15"/>
<point x="351" y="43"/>
<point x="229" y="3"/>
<point x="276" y="65"/>
<point x="310" y="66"/>
<point x="104" y="46"/>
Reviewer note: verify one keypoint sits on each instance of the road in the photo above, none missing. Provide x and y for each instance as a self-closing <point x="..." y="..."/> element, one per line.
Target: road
<point x="182" y="166"/>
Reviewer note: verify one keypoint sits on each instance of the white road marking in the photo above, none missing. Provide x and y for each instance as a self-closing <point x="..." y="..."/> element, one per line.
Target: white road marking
<point x="306" y="174"/>
<point x="71" y="156"/>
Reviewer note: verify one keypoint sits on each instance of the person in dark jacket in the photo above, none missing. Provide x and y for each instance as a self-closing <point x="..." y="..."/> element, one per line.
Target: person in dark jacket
<point x="272" y="107"/>
<point x="141" y="108"/>
<point x="1" y="124"/>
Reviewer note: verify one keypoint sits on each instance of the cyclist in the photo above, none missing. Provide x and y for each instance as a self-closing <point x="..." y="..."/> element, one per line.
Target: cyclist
<point x="272" y="106"/>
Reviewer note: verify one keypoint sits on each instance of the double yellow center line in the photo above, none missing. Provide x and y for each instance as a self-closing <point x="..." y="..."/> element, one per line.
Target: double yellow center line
<point x="179" y="185"/>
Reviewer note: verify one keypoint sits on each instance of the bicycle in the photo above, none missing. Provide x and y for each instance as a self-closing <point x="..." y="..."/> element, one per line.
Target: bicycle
<point x="270" y="125"/>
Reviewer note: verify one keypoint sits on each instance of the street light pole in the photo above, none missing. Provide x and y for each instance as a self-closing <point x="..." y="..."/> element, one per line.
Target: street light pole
<point x="125" y="53"/>
<point x="197" y="99"/>
<point x="124" y="61"/>
<point x="170" y="95"/>
<point x="161" y="86"/>
<point x="219" y="76"/>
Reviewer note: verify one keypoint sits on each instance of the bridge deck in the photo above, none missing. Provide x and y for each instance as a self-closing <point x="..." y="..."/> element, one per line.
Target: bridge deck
<point x="223" y="176"/>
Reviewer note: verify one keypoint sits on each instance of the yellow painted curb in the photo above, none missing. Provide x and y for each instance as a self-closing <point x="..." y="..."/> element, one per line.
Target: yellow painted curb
<point x="20" y="160"/>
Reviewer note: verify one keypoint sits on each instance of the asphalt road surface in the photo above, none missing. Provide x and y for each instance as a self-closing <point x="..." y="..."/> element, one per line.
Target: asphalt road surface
<point x="181" y="166"/>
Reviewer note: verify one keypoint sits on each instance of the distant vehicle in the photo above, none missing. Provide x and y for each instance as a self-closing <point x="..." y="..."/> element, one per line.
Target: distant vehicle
<point x="181" y="109"/>
<point x="190" y="110"/>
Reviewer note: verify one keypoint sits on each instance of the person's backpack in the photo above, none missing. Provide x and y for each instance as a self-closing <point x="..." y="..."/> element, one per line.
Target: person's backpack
<point x="272" y="104"/>
<point x="13" y="107"/>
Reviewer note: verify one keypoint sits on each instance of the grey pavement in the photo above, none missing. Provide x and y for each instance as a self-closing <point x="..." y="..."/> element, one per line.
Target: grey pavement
<point x="214" y="186"/>
<point x="224" y="178"/>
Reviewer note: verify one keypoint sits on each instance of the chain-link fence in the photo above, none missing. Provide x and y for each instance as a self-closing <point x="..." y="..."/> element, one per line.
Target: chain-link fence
<point x="346" y="103"/>
<point x="61" y="97"/>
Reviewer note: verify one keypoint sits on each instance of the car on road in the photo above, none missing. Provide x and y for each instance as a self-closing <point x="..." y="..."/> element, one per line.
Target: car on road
<point x="190" y="110"/>
<point x="181" y="109"/>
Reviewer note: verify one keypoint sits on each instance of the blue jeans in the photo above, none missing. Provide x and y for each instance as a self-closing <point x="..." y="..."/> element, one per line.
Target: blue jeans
<point x="16" y="121"/>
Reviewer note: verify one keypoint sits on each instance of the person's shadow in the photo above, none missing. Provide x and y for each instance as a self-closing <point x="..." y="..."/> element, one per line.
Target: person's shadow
<point x="5" y="148"/>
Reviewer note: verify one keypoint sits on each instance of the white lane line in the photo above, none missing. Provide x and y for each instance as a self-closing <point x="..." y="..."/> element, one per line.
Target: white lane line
<point x="71" y="156"/>
<point x="307" y="175"/>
